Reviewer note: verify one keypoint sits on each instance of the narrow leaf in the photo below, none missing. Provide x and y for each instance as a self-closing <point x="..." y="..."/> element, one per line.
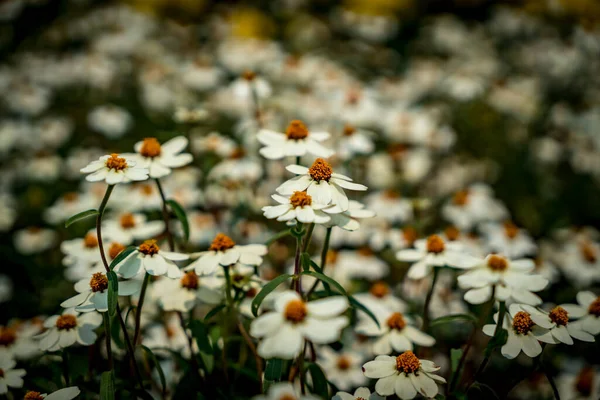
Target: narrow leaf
<point x="80" y="216"/>
<point x="113" y="292"/>
<point x="181" y="216"/>
<point x="360" y="306"/>
<point x="213" y="312"/>
<point x="326" y="279"/>
<point x="268" y="288"/>
<point x="121" y="256"/>
<point x="161" y="373"/>
<point x="305" y="261"/>
<point x="451" y="318"/>
<point x="274" y="372"/>
<point x="200" y="333"/>
<point x="319" y="381"/>
<point x="107" y="386"/>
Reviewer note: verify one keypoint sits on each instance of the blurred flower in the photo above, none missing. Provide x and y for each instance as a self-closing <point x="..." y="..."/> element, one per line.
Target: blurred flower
<point x="34" y="240"/>
<point x="69" y="328"/>
<point x="343" y="368"/>
<point x="297" y="141"/>
<point x="109" y="120"/>
<point x="360" y="393"/>
<point x="11" y="377"/>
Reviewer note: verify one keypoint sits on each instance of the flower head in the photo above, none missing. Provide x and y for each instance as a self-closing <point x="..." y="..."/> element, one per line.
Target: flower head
<point x="115" y="169"/>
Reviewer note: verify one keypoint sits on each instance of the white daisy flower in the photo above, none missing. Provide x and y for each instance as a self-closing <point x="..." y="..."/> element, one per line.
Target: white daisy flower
<point x="17" y="339"/>
<point x="69" y="328"/>
<point x="81" y="252"/>
<point x="92" y="294"/>
<point x="508" y="239"/>
<point x="433" y="252"/>
<point x="587" y="311"/>
<point x="512" y="279"/>
<point x="160" y="159"/>
<point x="67" y="393"/>
<point x="343" y="368"/>
<point x="404" y="376"/>
<point x="321" y="183"/>
<point x="10" y="376"/>
<point x="391" y="206"/>
<point x="150" y="258"/>
<point x="380" y="295"/>
<point x="127" y="227"/>
<point x="468" y="208"/>
<point x="34" y="240"/>
<point x="283" y="331"/>
<point x="360" y="393"/>
<point x="284" y="391"/>
<point x="184" y="294"/>
<point x="347" y="220"/>
<point x="223" y="251"/>
<point x="297" y="141"/>
<point x="355" y="142"/>
<point x="114" y="169"/>
<point x="297" y="207"/>
<point x="560" y="330"/>
<point x="394" y="333"/>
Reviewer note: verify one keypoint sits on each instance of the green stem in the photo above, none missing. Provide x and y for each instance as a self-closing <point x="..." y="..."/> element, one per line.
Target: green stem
<point x="190" y="342"/>
<point x="138" y="311"/>
<point x="298" y="281"/>
<point x="488" y="355"/>
<point x="298" y="160"/>
<point x="324" y="252"/>
<point x="228" y="287"/>
<point x="108" y="339"/>
<point x="436" y="271"/>
<point x="165" y="213"/>
<point x="65" y="365"/>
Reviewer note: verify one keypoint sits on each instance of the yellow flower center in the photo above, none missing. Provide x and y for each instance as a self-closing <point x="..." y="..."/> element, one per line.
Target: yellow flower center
<point x="510" y="230"/>
<point x="320" y="170"/>
<point x="522" y="323"/>
<point x="435" y="244"/>
<point x="343" y="363"/>
<point x="115" y="162"/>
<point x="33" y="396"/>
<point x="149" y="248"/>
<point x="396" y="321"/>
<point x="115" y="249"/>
<point x="66" y="322"/>
<point x="296" y="130"/>
<point x="221" y="242"/>
<point x="7" y="336"/>
<point x="559" y="316"/>
<point x="295" y="311"/>
<point x="300" y="199"/>
<point x="349" y="130"/>
<point x="594" y="307"/>
<point x="90" y="241"/>
<point x="497" y="263"/>
<point x="452" y="233"/>
<point x="588" y="252"/>
<point x="461" y="198"/>
<point x="99" y="282"/>
<point x="127" y="221"/>
<point x="407" y="362"/>
<point x="379" y="290"/>
<point x="150" y="148"/>
<point x="410" y="235"/>
<point x="190" y="280"/>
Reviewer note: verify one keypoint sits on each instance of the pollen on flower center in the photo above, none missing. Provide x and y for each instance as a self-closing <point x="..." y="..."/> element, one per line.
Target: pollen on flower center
<point x="510" y="230"/>
<point x="452" y="233"/>
<point x="588" y="253"/>
<point x="559" y="316"/>
<point x="396" y="321"/>
<point x="33" y="396"/>
<point x="66" y="322"/>
<point x="7" y="336"/>
<point x="149" y="247"/>
<point x="99" y="282"/>
<point x="522" y="323"/>
<point x="461" y="197"/>
<point x="594" y="307"/>
<point x="435" y="244"/>
<point x="127" y="221"/>
<point x="379" y="289"/>
<point x="349" y="130"/>
<point x="90" y="241"/>
<point x="343" y="363"/>
<point x="295" y="311"/>
<point x="497" y="263"/>
<point x="221" y="242"/>
<point x="190" y="280"/>
<point x="115" y="249"/>
<point x="296" y="130"/>
<point x="300" y="199"/>
<point x="115" y="162"/>
<point x="150" y="147"/>
<point x="320" y="170"/>
<point x="407" y="362"/>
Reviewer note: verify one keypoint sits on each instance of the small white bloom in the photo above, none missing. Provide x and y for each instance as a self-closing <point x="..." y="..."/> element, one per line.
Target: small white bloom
<point x="92" y="294"/>
<point x="588" y="311"/>
<point x="160" y="159"/>
<point x="470" y="207"/>
<point x="509" y="240"/>
<point x="297" y="141"/>
<point x="560" y="330"/>
<point x="67" y="393"/>
<point x="297" y="207"/>
<point x="150" y="258"/>
<point x="69" y="328"/>
<point x="343" y="368"/>
<point x="347" y="220"/>
<point x="185" y="293"/>
<point x="127" y="227"/>
<point x="11" y="377"/>
<point x="360" y="393"/>
<point x="114" y="169"/>
<point x="109" y="120"/>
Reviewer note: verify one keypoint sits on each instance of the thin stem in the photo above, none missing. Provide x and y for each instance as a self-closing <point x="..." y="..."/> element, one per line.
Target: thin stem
<point x="298" y="160"/>
<point x="488" y="354"/>
<point x="101" y="209"/>
<point x="252" y="347"/>
<point x="323" y="259"/>
<point x="298" y="281"/>
<point x="301" y="369"/>
<point x="190" y="342"/>
<point x="130" y="348"/>
<point x="228" y="287"/>
<point x="165" y="213"/>
<point x="108" y="339"/>
<point x="436" y="271"/>
<point x="306" y="241"/>
<point x="65" y="365"/>
<point x="138" y="311"/>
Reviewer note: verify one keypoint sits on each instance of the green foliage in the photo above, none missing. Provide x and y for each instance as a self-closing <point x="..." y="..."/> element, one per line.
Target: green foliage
<point x="268" y="288"/>
<point x="80" y="216"/>
<point x="181" y="215"/>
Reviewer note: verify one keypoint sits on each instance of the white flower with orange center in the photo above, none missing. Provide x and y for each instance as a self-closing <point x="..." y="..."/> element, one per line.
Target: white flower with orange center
<point x="114" y="169"/>
<point x="9" y="376"/>
<point x="297" y="141"/>
<point x="394" y="333"/>
<point x="159" y="159"/>
<point x="511" y="279"/>
<point x="150" y="258"/>
<point x="297" y="207"/>
<point x="69" y="328"/>
<point x="404" y="376"/>
<point x="126" y="227"/>
<point x="67" y="393"/>
<point x="434" y="252"/>
<point x="348" y="220"/>
<point x="321" y="183"/>
<point x="224" y="251"/>
<point x="362" y="393"/>
<point x="557" y="321"/>
<point x="284" y="330"/>
<point x="81" y="252"/>
<point x="190" y="290"/>
<point x="508" y="239"/>
<point x="343" y="368"/>
<point x="587" y="311"/>
<point x="381" y="295"/>
<point x="92" y="293"/>
<point x="470" y="207"/>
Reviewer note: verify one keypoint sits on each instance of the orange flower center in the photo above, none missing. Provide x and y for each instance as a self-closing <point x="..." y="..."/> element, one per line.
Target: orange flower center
<point x="249" y="75"/>
<point x="594" y="307"/>
<point x="559" y="316"/>
<point x="410" y="235"/>
<point x="296" y="130"/>
<point x="320" y="170"/>
<point x="70" y="197"/>
<point x="115" y="162"/>
<point x="99" y="282"/>
<point x="150" y="148"/>
<point x="33" y="396"/>
<point x="90" y="241"/>
<point x="331" y="257"/>
<point x="147" y="190"/>
<point x="300" y="199"/>
<point x="497" y="263"/>
<point x="343" y="363"/>
<point x="522" y="323"/>
<point x="435" y="244"/>
<point x="149" y="247"/>
<point x="379" y="290"/>
<point x="510" y="230"/>
<point x="295" y="311"/>
<point x="115" y="249"/>
<point x="585" y="381"/>
<point x="190" y="280"/>
<point x="66" y="322"/>
<point x="127" y="221"/>
<point x="396" y="321"/>
<point x="461" y="198"/>
<point x="221" y="242"/>
<point x="349" y="130"/>
<point x="588" y="252"/>
<point x="7" y="336"/>
<point x="407" y="362"/>
<point x="452" y="233"/>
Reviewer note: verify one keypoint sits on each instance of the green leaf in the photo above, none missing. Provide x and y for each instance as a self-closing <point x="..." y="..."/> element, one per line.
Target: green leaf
<point x="113" y="292"/>
<point x="115" y="331"/>
<point x="360" y="306"/>
<point x="278" y="236"/>
<point x="200" y="333"/>
<point x="107" y="386"/>
<point x="213" y="312"/>
<point x="455" y="355"/>
<point x="268" y="288"/>
<point x="325" y="278"/>
<point x="80" y="216"/>
<point x="497" y="341"/>
<point x="305" y="261"/>
<point x="319" y="381"/>
<point x="451" y="318"/>
<point x="181" y="216"/>
<point x="121" y="256"/>
<point x="274" y="372"/>
<point x="161" y="373"/>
